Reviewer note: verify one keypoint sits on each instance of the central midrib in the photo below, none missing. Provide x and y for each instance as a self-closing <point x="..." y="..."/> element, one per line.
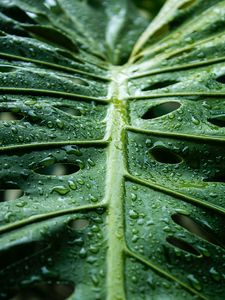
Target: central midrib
<point x="116" y="165"/>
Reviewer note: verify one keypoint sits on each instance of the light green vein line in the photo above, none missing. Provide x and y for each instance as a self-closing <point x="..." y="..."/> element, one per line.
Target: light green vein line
<point x="163" y="273"/>
<point x="53" y="144"/>
<point x="180" y="67"/>
<point x="115" y="189"/>
<point x="41" y="217"/>
<point x="196" y="45"/>
<point x="208" y="94"/>
<point x="163" y="17"/>
<point x="168" y="41"/>
<point x="205" y="138"/>
<point x="178" y="195"/>
<point x="54" y="66"/>
<point x="50" y="93"/>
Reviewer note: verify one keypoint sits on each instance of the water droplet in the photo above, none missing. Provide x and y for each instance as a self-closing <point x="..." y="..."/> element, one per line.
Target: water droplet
<point x="91" y="162"/>
<point x="21" y="204"/>
<point x="93" y="198"/>
<point x="94" y="249"/>
<point x="91" y="259"/>
<point x="79" y="242"/>
<point x="73" y="150"/>
<point x="194" y="282"/>
<point x="133" y="214"/>
<point x="95" y="228"/>
<point x="61" y="189"/>
<point x="134" y="187"/>
<point x="50" y="124"/>
<point x="59" y="123"/>
<point x="215" y="274"/>
<point x="80" y="181"/>
<point x="72" y="184"/>
<point x="204" y="251"/>
<point x="95" y="279"/>
<point x="167" y="229"/>
<point x="83" y="253"/>
<point x="195" y="121"/>
<point x="213" y="195"/>
<point x="135" y="238"/>
<point x="133" y="196"/>
<point x="47" y="161"/>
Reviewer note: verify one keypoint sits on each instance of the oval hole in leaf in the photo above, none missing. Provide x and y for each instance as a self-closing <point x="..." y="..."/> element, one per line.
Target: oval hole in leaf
<point x="193" y="227"/>
<point x="52" y="35"/>
<point x="68" y="55"/>
<point x="7" y="69"/>
<point x="183" y="245"/>
<point x="70" y="110"/>
<point x="161" y="110"/>
<point x="58" y="169"/>
<point x="187" y="4"/>
<point x="78" y="224"/>
<point x="221" y="79"/>
<point x="45" y="291"/>
<point x="159" y="85"/>
<point x="19" y="252"/>
<point x="10" y="191"/>
<point x="165" y="155"/>
<point x="163" y="30"/>
<point x="77" y="80"/>
<point x="17" y="14"/>
<point x="10" y="116"/>
<point x="217" y="178"/>
<point x="218" y="120"/>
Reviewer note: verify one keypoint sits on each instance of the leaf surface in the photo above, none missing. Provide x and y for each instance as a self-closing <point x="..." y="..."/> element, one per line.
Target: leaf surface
<point x="112" y="118"/>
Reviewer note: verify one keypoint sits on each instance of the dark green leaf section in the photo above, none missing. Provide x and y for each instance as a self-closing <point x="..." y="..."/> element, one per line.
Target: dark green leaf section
<point x="19" y="49"/>
<point x="80" y="22"/>
<point x="149" y="225"/>
<point x="58" y="252"/>
<point x="112" y="177"/>
<point x="186" y="28"/>
<point x="45" y="81"/>
<point x="191" y="172"/>
<point x="195" y="113"/>
<point x="40" y="120"/>
<point x="142" y="282"/>
<point x="52" y="193"/>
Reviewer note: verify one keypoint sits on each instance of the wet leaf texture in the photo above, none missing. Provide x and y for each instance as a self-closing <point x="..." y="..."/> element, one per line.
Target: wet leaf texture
<point x="112" y="166"/>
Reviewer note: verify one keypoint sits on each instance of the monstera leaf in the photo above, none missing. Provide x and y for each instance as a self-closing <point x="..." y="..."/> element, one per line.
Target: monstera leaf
<point x="112" y="118"/>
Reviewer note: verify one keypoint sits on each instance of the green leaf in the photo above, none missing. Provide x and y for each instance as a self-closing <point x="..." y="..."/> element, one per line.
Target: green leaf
<point x="112" y="125"/>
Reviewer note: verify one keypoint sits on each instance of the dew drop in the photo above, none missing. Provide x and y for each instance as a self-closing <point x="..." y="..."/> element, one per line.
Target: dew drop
<point x="194" y="282"/>
<point x="93" y="199"/>
<point x="73" y="150"/>
<point x="133" y="196"/>
<point x="133" y="214"/>
<point x="215" y="274"/>
<point x="195" y="121"/>
<point x="80" y="181"/>
<point x="72" y="184"/>
<point x="59" y="123"/>
<point x="161" y="110"/>
<point x="61" y="189"/>
<point x="83" y="253"/>
<point x="91" y="162"/>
